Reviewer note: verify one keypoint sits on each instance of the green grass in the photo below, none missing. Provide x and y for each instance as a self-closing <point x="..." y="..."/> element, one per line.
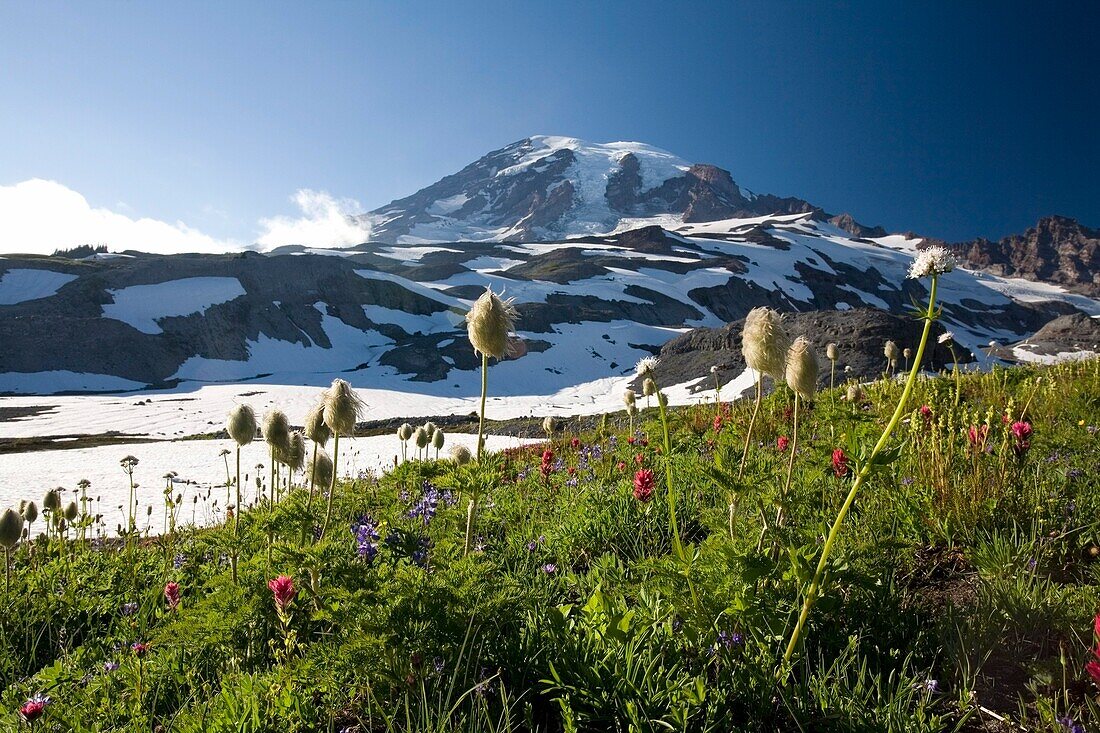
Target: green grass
<point x="973" y="567"/>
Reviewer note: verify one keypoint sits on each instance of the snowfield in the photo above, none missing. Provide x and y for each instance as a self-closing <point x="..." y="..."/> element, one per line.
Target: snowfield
<point x="21" y="285"/>
<point x="142" y="306"/>
<point x="201" y="473"/>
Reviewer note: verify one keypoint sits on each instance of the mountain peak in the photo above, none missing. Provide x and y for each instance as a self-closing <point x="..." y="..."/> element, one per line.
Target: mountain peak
<point x="552" y="187"/>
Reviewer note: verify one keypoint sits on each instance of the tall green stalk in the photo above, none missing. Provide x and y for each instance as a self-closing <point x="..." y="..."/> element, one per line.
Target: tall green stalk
<point x="861" y="478"/>
<point x="237" y="518"/>
<point x="781" y="512"/>
<point x="484" y="392"/>
<point x="332" y="484"/>
<point x="752" y="423"/>
<point x="677" y="546"/>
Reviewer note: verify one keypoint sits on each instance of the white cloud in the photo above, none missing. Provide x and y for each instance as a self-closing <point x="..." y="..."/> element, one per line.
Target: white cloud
<point x="326" y="222"/>
<point x="39" y="216"/>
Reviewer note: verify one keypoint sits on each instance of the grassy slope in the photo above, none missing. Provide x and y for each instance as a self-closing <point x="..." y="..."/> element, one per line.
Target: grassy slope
<point x="973" y="568"/>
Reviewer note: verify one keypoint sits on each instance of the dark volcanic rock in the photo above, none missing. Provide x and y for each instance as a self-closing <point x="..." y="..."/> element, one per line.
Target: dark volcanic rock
<point x="1058" y="250"/>
<point x="860" y="335"/>
<point x="853" y="227"/>
<point x="1074" y="332"/>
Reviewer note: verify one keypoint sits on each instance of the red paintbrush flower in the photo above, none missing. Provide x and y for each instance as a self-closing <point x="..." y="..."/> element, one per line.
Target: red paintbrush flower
<point x="840" y="463"/>
<point x="643" y="485"/>
<point x="33" y="708"/>
<point x="172" y="595"/>
<point x="781" y="443"/>
<point x="282" y="588"/>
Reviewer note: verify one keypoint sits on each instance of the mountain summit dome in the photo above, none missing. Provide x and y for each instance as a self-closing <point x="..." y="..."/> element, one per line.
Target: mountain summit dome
<point x="549" y="188"/>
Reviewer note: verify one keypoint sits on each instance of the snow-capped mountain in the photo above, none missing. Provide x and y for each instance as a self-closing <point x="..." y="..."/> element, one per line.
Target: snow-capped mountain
<point x="609" y="250"/>
<point x="544" y="188"/>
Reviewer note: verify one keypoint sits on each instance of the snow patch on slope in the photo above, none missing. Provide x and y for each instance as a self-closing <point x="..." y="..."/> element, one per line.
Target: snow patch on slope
<point x="18" y="286"/>
<point x="142" y="306"/>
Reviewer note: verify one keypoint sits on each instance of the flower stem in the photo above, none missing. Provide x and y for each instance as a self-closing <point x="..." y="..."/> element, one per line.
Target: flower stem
<point x="237" y="517"/>
<point x="752" y="424"/>
<point x="669" y="486"/>
<point x="484" y="392"/>
<point x="861" y="478"/>
<point x="332" y="483"/>
<point x="781" y="513"/>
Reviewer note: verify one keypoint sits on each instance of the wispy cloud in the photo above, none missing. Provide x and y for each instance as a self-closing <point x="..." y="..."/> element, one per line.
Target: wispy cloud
<point x="39" y="216"/>
<point x="326" y="221"/>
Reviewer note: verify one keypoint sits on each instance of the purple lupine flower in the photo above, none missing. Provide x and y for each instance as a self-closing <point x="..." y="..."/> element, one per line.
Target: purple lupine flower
<point x="129" y="609"/>
<point x="549" y="568"/>
<point x="365" y="531"/>
<point x="110" y="666"/>
<point x="179" y="560"/>
<point x="420" y="555"/>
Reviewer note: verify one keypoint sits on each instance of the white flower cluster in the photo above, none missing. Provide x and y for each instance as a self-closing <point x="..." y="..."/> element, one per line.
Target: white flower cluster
<point x="932" y="261"/>
<point x="947" y="337"/>
<point x="646" y="366"/>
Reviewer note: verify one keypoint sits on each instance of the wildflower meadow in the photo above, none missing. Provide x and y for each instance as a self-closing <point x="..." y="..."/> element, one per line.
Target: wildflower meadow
<point x="916" y="553"/>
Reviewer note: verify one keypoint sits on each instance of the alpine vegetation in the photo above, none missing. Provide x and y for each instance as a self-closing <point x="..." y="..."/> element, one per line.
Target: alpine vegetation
<point x="342" y="410"/>
<point x="764" y="344"/>
<point x="931" y="264"/>
<point x="276" y="430"/>
<point x="241" y="426"/>
<point x="489" y="324"/>
<point x="801" y="374"/>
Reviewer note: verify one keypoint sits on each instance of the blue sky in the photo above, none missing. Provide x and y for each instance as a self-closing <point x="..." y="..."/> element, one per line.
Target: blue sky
<point x="949" y="119"/>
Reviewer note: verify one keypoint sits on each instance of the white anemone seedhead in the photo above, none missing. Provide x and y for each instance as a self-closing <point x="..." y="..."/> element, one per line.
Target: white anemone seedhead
<point x="764" y="342"/>
<point x="342" y="408"/>
<point x="320" y="467"/>
<point x="316" y="429"/>
<point x="489" y="323"/>
<point x="801" y="369"/>
<point x="277" y="431"/>
<point x="241" y="424"/>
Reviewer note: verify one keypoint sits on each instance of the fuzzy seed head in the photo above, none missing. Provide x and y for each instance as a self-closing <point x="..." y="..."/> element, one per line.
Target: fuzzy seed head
<point x="430" y="427"/>
<point x="421" y="437"/>
<point x="52" y="500"/>
<point x="71" y="511"/>
<point x="296" y="452"/>
<point x="405" y="432"/>
<point x="438" y="439"/>
<point x="30" y="512"/>
<point x="11" y="528"/>
<point x="802" y="368"/>
<point x="632" y="409"/>
<point x="241" y="425"/>
<point x="488" y="324"/>
<point x="320" y="468"/>
<point x="342" y="408"/>
<point x="907" y="352"/>
<point x="890" y="350"/>
<point x="461" y="455"/>
<point x="315" y="427"/>
<point x="551" y="424"/>
<point x="277" y="431"/>
<point x="831" y="352"/>
<point x="649" y="387"/>
<point x="765" y="342"/>
<point x="629" y="397"/>
<point x="855" y="393"/>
